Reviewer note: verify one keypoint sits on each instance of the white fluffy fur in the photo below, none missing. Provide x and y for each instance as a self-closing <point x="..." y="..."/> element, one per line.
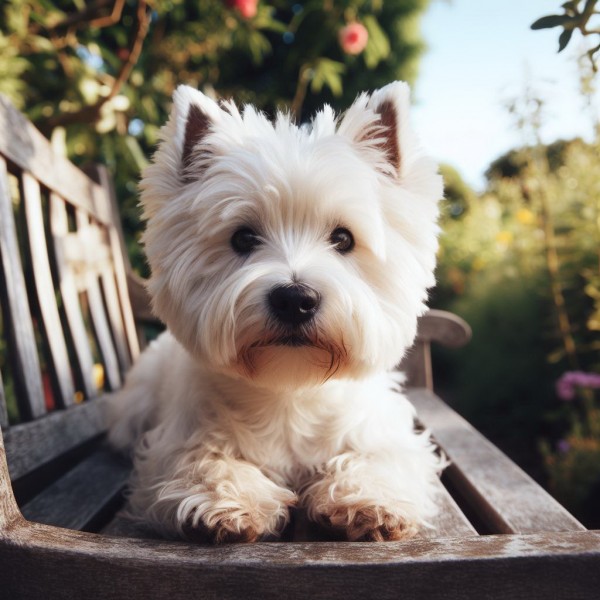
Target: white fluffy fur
<point x="232" y="429"/>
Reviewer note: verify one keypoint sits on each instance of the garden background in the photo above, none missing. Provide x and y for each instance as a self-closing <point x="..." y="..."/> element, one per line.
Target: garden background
<point x="519" y="256"/>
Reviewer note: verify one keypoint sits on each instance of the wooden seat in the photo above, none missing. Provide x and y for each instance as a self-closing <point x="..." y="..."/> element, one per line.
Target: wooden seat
<point x="70" y="321"/>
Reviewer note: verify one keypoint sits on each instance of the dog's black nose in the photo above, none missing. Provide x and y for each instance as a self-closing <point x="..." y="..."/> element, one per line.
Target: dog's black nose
<point x="294" y="304"/>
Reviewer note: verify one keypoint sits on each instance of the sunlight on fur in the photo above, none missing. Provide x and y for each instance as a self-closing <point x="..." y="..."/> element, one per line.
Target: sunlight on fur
<point x="290" y="265"/>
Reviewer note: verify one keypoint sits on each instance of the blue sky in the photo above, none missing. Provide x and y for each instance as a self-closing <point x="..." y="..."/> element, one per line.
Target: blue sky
<point x="481" y="53"/>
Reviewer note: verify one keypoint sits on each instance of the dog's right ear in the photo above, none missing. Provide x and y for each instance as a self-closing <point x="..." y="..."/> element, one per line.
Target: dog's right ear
<point x="193" y="116"/>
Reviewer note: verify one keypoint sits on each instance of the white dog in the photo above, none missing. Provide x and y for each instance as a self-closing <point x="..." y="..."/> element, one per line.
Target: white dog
<point x="290" y="265"/>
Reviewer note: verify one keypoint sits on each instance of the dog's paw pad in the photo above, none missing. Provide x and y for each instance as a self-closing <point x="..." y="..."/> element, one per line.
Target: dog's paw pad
<point x="228" y="529"/>
<point x="370" y="524"/>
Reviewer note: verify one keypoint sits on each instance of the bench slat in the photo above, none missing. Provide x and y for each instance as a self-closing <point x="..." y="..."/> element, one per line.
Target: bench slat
<point x="26" y="147"/>
<point x="111" y="297"/>
<point x="17" y="321"/>
<point x="561" y="566"/>
<point x="44" y="288"/>
<point x="121" y="263"/>
<point x="450" y="520"/>
<point x="98" y="314"/>
<point x="70" y="300"/>
<point x="82" y="495"/>
<point x="503" y="495"/>
<point x="31" y="445"/>
<point x="3" y="411"/>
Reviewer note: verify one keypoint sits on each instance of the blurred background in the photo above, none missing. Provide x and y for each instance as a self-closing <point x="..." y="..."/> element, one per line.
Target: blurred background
<point x="514" y="122"/>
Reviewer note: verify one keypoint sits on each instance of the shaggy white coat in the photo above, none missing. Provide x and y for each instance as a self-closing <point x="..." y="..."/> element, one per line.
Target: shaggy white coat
<point x="232" y="428"/>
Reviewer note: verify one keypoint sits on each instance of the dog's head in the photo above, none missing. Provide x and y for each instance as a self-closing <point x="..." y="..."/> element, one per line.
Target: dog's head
<point x="288" y="255"/>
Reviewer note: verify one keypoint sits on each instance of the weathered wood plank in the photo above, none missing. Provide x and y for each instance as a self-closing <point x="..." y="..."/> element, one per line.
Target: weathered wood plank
<point x="121" y="263"/>
<point x="503" y="495"/>
<point x="17" y="321"/>
<point x="3" y="411"/>
<point x="25" y="146"/>
<point x="70" y="299"/>
<point x="121" y="525"/>
<point x="44" y="288"/>
<point x="68" y="565"/>
<point x="115" y="319"/>
<point x="438" y="326"/>
<point x="8" y="506"/>
<point x="30" y="445"/>
<point x="83" y="495"/>
<point x="443" y="327"/>
<point x="450" y="520"/>
<point x="98" y="313"/>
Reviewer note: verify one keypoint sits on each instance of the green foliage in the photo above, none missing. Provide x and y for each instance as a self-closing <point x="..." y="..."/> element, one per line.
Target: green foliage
<point x="573" y="464"/>
<point x="104" y="84"/>
<point x="496" y="270"/>
<point x="458" y="196"/>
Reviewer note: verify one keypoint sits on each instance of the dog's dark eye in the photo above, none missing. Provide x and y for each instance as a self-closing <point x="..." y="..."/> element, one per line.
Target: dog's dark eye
<point x="342" y="240"/>
<point x="244" y="240"/>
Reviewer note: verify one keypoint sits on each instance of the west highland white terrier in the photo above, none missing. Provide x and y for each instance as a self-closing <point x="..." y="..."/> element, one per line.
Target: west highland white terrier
<point x="290" y="265"/>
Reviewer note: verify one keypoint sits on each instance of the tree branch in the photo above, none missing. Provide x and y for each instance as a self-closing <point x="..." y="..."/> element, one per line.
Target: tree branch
<point x="90" y="114"/>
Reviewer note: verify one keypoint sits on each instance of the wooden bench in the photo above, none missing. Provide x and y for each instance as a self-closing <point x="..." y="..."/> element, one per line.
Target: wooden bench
<point x="71" y="309"/>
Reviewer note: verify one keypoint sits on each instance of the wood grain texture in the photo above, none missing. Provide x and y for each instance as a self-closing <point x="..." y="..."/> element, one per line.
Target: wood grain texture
<point x="443" y="327"/>
<point x="68" y="564"/>
<point x="79" y="498"/>
<point x="30" y="445"/>
<point x="27" y="148"/>
<point x="3" y="411"/>
<point x="450" y="520"/>
<point x="437" y="326"/>
<point x="59" y="368"/>
<point x="8" y="506"/>
<point x="17" y="316"/>
<point x="115" y="317"/>
<point x="503" y="495"/>
<point x="84" y="363"/>
<point x="120" y="258"/>
<point x="97" y="309"/>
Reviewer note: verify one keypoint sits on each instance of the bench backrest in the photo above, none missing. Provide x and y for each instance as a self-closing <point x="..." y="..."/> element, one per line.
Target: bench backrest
<point x="67" y="325"/>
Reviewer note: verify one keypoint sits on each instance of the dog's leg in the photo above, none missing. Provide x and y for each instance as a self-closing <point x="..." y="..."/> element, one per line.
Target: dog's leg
<point x="372" y="497"/>
<point x="213" y="497"/>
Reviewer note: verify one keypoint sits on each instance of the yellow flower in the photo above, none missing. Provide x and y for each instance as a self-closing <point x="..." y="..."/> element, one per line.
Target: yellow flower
<point x="525" y="216"/>
<point x="478" y="264"/>
<point x="504" y="238"/>
<point x="98" y="375"/>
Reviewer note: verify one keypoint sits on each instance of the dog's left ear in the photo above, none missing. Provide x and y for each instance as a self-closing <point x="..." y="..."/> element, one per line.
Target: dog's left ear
<point x="390" y="132"/>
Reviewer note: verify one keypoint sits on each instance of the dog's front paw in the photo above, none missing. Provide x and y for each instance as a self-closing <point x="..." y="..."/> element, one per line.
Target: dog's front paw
<point x="368" y="522"/>
<point x="230" y="528"/>
<point x="229" y="520"/>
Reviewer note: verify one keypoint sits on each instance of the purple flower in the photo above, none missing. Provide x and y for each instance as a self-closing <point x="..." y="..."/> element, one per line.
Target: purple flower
<point x="565" y="386"/>
<point x="563" y="446"/>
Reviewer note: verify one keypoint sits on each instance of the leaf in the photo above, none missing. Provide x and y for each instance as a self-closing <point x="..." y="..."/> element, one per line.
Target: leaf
<point x="378" y="46"/>
<point x="259" y="46"/>
<point x="328" y="72"/>
<point x="550" y="21"/>
<point x="564" y="39"/>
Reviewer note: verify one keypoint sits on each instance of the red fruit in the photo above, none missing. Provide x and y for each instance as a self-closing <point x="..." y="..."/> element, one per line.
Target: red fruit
<point x="353" y="38"/>
<point x="246" y="8"/>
